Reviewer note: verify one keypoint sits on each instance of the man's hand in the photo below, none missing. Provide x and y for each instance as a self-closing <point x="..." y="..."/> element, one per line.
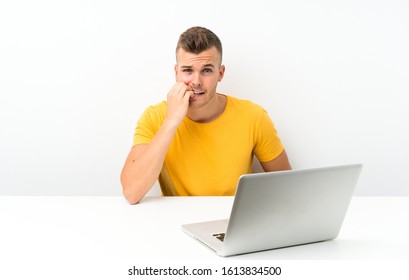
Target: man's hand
<point x="178" y="102"/>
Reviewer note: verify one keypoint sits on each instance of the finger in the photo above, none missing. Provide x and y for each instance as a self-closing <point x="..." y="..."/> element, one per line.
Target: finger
<point x="177" y="91"/>
<point x="185" y="92"/>
<point x="188" y="94"/>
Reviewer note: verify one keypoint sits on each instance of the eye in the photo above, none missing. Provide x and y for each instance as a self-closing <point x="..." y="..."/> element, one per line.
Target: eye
<point x="187" y="70"/>
<point x="207" y="70"/>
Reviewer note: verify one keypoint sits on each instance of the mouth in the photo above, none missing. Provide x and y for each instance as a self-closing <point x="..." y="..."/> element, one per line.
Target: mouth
<point x="198" y="92"/>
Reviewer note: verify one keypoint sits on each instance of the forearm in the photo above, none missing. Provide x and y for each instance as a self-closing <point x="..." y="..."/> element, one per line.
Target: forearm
<point x="145" y="162"/>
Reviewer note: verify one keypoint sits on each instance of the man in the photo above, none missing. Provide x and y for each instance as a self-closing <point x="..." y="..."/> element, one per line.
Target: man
<point x="199" y="141"/>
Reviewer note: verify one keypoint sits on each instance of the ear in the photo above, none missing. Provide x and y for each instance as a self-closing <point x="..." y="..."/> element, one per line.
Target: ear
<point x="176" y="71"/>
<point x="221" y="72"/>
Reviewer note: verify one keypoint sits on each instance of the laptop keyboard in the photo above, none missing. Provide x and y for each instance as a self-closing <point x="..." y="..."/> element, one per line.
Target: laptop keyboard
<point x="219" y="236"/>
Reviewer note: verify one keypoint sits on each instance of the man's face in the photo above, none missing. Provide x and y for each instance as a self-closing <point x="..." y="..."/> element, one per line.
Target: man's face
<point x="201" y="72"/>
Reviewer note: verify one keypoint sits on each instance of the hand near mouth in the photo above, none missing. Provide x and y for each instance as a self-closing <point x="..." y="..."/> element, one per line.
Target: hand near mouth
<point x="178" y="102"/>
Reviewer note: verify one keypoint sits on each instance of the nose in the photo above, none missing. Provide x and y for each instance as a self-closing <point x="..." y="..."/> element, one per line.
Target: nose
<point x="196" y="80"/>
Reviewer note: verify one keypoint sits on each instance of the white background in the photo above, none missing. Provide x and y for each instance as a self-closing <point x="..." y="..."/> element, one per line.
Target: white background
<point x="76" y="75"/>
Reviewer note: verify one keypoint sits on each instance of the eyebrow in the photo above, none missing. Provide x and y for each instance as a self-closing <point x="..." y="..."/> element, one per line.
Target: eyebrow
<point x="208" y="65"/>
<point x="204" y="66"/>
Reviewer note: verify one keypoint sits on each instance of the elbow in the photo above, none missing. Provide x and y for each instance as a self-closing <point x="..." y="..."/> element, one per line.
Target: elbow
<point x="131" y="192"/>
<point x="132" y="199"/>
<point x="135" y="185"/>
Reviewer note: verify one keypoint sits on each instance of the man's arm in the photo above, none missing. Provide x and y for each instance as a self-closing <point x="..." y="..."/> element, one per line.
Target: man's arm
<point x="279" y="163"/>
<point x="144" y="162"/>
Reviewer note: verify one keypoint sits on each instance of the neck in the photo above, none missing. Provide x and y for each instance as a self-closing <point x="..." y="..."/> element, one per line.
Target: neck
<point x="210" y="111"/>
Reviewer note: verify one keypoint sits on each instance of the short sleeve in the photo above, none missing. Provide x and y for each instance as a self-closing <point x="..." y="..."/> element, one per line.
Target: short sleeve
<point x="268" y="145"/>
<point x="149" y="123"/>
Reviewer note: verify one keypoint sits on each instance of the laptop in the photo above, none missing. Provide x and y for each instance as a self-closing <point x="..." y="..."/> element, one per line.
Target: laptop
<point x="281" y="209"/>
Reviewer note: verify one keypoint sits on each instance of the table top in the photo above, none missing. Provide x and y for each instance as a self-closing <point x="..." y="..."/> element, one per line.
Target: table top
<point x="107" y="227"/>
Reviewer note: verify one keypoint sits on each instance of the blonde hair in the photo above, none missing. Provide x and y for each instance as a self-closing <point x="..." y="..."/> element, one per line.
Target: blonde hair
<point x="198" y="39"/>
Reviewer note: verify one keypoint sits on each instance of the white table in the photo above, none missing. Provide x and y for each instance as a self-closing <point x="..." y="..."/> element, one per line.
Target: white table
<point x="46" y="234"/>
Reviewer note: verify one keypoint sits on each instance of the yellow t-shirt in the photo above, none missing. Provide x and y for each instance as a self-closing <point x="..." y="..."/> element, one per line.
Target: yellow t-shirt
<point x="209" y="158"/>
